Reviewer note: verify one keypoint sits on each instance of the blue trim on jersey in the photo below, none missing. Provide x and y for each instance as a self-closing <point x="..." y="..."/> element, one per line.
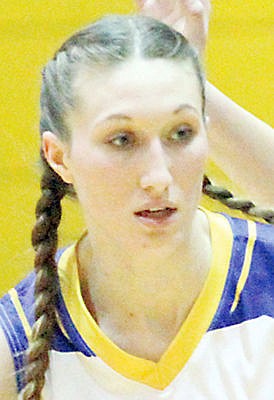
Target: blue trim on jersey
<point x="25" y="291"/>
<point x="257" y="297"/>
<point x="59" y="253"/>
<point x="75" y="337"/>
<point x="61" y="343"/>
<point x="223" y="316"/>
<point x="16" y="337"/>
<point x="78" y="344"/>
<point x="258" y="294"/>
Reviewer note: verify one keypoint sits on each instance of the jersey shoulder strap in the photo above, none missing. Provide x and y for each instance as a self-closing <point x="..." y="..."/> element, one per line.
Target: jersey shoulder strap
<point x="16" y="318"/>
<point x="17" y="315"/>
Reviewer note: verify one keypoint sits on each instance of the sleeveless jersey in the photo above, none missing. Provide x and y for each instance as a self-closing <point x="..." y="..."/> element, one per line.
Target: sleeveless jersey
<point x="223" y="350"/>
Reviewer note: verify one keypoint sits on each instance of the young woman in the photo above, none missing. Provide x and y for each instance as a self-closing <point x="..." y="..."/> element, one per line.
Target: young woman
<point x="159" y="299"/>
<point x="241" y="144"/>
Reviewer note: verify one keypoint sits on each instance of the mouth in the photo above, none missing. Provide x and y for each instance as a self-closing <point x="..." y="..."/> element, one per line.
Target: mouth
<point x="156" y="215"/>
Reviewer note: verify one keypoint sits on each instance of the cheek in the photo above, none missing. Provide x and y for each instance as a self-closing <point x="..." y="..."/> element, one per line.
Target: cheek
<point x="199" y="157"/>
<point x="192" y="159"/>
<point x="101" y="180"/>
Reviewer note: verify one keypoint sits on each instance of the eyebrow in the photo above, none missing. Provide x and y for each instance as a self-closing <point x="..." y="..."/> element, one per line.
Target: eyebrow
<point x="182" y="107"/>
<point x="187" y="107"/>
<point x="118" y="116"/>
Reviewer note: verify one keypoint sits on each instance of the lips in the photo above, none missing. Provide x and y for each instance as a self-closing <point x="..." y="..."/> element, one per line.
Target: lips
<point x="156" y="213"/>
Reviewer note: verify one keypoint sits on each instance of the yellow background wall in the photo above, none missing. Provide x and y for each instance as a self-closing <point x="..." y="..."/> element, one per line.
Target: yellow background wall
<point x="239" y="61"/>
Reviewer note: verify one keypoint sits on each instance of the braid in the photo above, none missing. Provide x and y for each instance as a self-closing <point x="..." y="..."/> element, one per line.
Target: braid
<point x="246" y="206"/>
<point x="44" y="241"/>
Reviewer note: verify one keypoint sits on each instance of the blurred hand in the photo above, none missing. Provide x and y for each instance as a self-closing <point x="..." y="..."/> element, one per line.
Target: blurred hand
<point x="189" y="17"/>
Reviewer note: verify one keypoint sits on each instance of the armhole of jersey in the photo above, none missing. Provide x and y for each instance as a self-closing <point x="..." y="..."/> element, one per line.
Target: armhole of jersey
<point x="252" y="235"/>
<point x="16" y="329"/>
<point x="16" y="324"/>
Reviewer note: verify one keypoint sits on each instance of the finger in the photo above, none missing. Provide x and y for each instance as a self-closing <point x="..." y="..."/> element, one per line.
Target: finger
<point x="158" y="9"/>
<point x="174" y="17"/>
<point x="193" y="8"/>
<point x="140" y="3"/>
<point x="196" y="7"/>
<point x="206" y="4"/>
<point x="197" y="13"/>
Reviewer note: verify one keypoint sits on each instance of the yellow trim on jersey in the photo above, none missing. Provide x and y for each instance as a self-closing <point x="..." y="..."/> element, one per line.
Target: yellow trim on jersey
<point x="155" y="374"/>
<point x="18" y="306"/>
<point x="252" y="235"/>
<point x="61" y="326"/>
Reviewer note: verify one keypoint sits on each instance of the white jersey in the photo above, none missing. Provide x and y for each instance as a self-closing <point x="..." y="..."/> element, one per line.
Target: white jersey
<point x="223" y="351"/>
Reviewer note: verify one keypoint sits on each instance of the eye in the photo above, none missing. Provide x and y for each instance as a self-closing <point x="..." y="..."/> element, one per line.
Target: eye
<point x="182" y="133"/>
<point x="122" y="140"/>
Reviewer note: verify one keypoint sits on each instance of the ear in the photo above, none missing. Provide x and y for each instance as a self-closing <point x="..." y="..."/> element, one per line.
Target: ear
<point x="56" y="154"/>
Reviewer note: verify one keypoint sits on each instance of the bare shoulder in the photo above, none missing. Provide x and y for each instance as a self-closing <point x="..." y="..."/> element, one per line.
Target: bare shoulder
<point x="7" y="377"/>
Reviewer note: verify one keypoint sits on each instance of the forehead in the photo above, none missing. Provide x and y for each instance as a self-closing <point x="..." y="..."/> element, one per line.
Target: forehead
<point x="136" y="87"/>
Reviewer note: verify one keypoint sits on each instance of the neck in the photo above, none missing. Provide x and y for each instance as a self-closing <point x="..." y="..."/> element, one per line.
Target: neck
<point x="151" y="296"/>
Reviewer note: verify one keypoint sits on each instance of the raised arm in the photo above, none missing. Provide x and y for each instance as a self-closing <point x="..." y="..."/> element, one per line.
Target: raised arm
<point x="190" y="17"/>
<point x="241" y="144"/>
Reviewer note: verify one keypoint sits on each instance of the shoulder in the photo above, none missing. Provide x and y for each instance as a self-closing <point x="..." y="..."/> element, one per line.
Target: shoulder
<point x="252" y="263"/>
<point x="247" y="237"/>
<point x="16" y="317"/>
<point x="249" y="287"/>
<point x="8" y="389"/>
<point x="234" y="221"/>
<point x="257" y="231"/>
<point x="17" y="306"/>
<point x="253" y="246"/>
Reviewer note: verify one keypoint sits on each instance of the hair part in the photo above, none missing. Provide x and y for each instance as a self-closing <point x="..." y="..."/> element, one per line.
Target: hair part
<point x="109" y="41"/>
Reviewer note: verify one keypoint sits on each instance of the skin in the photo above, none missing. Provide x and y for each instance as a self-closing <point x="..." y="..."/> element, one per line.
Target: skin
<point x="140" y="140"/>
<point x="233" y="132"/>
<point x="7" y="380"/>
<point x="229" y="123"/>
<point x="190" y="17"/>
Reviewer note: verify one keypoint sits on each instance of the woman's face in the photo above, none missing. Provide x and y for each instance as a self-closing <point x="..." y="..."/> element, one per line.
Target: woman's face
<point x="137" y="151"/>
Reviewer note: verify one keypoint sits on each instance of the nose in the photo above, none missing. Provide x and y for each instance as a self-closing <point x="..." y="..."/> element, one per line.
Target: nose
<point x="156" y="177"/>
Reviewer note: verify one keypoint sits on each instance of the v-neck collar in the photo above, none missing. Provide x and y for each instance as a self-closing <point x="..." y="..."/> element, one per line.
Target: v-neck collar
<point x="155" y="374"/>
